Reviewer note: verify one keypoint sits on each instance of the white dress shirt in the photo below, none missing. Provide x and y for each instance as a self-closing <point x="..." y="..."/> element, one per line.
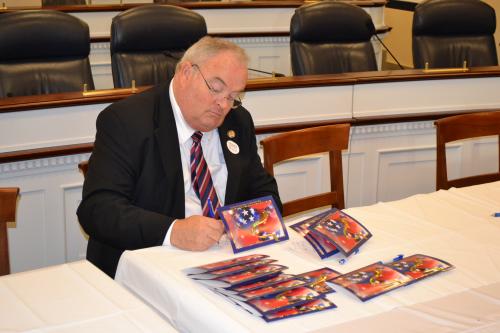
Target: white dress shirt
<point x="214" y="156"/>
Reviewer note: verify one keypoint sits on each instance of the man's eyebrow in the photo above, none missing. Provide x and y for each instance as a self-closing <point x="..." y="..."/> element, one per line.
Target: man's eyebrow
<point x="221" y="81"/>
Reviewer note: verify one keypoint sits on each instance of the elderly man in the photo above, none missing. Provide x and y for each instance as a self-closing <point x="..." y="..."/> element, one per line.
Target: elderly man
<point x="165" y="159"/>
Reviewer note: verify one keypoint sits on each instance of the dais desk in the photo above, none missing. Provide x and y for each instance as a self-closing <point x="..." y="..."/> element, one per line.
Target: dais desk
<point x="455" y="225"/>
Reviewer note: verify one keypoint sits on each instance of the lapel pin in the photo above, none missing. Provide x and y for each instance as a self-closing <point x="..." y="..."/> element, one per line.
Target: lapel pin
<point x="231" y="134"/>
<point x="233" y="147"/>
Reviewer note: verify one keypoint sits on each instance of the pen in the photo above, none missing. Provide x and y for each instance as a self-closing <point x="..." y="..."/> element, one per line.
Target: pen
<point x="397" y="258"/>
<point x="210" y="209"/>
<point x="497" y="214"/>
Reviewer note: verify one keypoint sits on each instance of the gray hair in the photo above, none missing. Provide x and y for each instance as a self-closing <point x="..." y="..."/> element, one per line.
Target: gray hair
<point x="208" y="47"/>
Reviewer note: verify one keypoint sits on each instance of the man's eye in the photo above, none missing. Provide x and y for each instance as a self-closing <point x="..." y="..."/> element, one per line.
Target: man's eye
<point x="216" y="89"/>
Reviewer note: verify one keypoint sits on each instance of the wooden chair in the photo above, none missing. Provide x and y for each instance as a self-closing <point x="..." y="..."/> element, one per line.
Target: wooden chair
<point x="83" y="166"/>
<point x="461" y="127"/>
<point x="8" y="203"/>
<point x="332" y="139"/>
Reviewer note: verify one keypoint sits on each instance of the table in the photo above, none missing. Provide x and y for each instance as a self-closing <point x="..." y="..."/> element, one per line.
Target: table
<point x="74" y="297"/>
<point x="455" y="225"/>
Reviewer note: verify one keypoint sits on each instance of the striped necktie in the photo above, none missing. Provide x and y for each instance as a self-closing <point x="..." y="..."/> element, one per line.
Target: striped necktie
<point x="201" y="178"/>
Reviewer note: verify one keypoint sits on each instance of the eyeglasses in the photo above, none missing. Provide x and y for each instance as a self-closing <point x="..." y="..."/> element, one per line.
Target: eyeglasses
<point x="234" y="101"/>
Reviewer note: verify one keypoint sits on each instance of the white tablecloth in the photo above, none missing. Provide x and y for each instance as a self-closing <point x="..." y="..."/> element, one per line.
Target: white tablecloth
<point x="455" y="225"/>
<point x="74" y="297"/>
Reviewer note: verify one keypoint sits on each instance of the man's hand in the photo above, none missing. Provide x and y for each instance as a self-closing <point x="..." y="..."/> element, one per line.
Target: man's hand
<point x="196" y="233"/>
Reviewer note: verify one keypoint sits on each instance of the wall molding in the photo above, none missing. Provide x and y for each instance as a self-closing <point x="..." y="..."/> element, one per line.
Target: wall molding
<point x="392" y="128"/>
<point x="41" y="165"/>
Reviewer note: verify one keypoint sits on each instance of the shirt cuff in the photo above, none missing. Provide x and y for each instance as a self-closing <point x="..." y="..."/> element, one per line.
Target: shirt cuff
<point x="166" y="241"/>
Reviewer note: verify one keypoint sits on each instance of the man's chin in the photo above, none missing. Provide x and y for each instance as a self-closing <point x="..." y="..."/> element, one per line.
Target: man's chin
<point x="212" y="124"/>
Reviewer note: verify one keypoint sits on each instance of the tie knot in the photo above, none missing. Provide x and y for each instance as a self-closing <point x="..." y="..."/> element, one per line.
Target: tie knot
<point x="197" y="137"/>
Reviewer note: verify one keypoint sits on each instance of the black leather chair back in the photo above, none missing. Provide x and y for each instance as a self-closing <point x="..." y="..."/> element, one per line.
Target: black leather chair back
<point x="147" y="42"/>
<point x="331" y="37"/>
<point x="447" y="32"/>
<point x="43" y="52"/>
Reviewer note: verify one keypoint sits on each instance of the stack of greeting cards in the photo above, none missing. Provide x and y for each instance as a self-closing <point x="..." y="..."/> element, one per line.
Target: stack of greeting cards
<point x="253" y="223"/>
<point x="333" y="231"/>
<point x="258" y="285"/>
<point x="378" y="278"/>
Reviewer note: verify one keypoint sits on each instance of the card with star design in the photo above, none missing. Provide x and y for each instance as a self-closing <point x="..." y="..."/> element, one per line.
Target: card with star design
<point x="215" y="266"/>
<point x="284" y="300"/>
<point x="249" y="276"/>
<point x="269" y="290"/>
<point x="342" y="230"/>
<point x="232" y="270"/>
<point x="318" y="279"/>
<point x="260" y="284"/>
<point x="319" y="304"/>
<point x="323" y="247"/>
<point x="253" y="223"/>
<point x="372" y="280"/>
<point x="420" y="266"/>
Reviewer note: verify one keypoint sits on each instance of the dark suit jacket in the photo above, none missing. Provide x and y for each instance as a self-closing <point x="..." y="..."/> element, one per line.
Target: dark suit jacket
<point x="134" y="186"/>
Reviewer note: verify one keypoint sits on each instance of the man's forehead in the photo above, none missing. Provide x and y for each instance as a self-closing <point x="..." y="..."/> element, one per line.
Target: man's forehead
<point x="223" y="70"/>
<point x="224" y="60"/>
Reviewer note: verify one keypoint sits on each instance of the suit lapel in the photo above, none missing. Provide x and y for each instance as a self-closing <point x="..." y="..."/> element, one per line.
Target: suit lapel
<point x="233" y="162"/>
<point x="168" y="145"/>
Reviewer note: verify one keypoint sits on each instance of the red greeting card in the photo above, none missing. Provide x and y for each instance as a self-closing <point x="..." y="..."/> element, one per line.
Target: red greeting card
<point x="420" y="266"/>
<point x="318" y="279"/>
<point x="316" y="305"/>
<point x="232" y="270"/>
<point x="253" y="223"/>
<point x="323" y="247"/>
<point x="342" y="230"/>
<point x="249" y="276"/>
<point x="284" y="300"/>
<point x="260" y="284"/>
<point x="270" y="290"/>
<point x="225" y="264"/>
<point x="373" y="280"/>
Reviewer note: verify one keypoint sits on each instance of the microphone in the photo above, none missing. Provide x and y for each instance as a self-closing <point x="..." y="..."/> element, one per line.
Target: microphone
<point x="273" y="74"/>
<point x="178" y="55"/>
<point x="389" y="51"/>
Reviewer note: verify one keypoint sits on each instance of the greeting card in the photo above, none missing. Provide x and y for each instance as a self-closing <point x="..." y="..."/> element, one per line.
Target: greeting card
<point x="249" y="276"/>
<point x="284" y="300"/>
<point x="253" y="223"/>
<point x="318" y="279"/>
<point x="420" y="266"/>
<point x="316" y="305"/>
<point x="323" y="247"/>
<point x="224" y="264"/>
<point x="342" y="230"/>
<point x="373" y="280"/>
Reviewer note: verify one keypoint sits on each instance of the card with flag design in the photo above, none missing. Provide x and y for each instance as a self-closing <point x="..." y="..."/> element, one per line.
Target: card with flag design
<point x="253" y="223"/>
<point x="320" y="304"/>
<point x="420" y="266"/>
<point x="342" y="230"/>
<point x="372" y="280"/>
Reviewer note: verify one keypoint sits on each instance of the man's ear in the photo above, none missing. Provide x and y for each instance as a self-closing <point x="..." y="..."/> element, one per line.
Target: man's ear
<point x="186" y="69"/>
